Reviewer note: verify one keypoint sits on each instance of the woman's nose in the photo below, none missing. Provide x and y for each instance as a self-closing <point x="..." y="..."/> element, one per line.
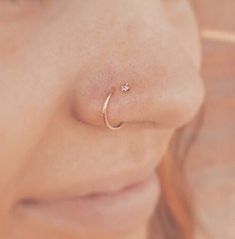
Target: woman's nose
<point x="165" y="90"/>
<point x="166" y="93"/>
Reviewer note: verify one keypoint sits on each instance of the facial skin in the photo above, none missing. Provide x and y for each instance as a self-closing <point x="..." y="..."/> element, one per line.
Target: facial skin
<point x="58" y="62"/>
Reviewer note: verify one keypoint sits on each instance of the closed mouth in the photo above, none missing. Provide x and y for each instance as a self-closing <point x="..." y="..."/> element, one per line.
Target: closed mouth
<point x="103" y="211"/>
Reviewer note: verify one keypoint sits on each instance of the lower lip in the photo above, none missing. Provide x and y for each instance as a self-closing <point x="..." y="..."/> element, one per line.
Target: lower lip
<point x="102" y="214"/>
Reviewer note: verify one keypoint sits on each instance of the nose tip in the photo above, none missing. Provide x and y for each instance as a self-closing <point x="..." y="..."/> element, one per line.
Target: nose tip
<point x="161" y="87"/>
<point x="138" y="102"/>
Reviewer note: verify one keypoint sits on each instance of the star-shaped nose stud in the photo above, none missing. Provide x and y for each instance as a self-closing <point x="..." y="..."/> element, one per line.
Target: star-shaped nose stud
<point x="125" y="87"/>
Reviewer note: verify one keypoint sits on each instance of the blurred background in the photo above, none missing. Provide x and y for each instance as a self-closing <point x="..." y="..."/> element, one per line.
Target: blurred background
<point x="212" y="159"/>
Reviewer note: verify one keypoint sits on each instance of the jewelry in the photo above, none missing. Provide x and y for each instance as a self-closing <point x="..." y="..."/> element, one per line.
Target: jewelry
<point x="124" y="88"/>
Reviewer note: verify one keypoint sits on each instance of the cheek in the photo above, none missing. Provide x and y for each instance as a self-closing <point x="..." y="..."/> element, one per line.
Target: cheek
<point x="27" y="106"/>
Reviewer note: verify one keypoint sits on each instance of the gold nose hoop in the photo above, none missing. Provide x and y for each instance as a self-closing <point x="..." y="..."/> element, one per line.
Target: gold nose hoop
<point x="124" y="88"/>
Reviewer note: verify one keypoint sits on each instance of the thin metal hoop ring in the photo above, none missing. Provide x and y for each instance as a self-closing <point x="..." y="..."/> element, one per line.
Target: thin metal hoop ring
<point x="105" y="113"/>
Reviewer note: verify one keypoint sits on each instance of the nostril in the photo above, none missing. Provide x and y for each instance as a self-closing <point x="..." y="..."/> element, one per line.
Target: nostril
<point x="127" y="107"/>
<point x="179" y="105"/>
<point x="161" y="94"/>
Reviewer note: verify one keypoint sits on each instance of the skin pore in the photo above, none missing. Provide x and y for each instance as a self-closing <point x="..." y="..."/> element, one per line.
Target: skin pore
<point x="58" y="61"/>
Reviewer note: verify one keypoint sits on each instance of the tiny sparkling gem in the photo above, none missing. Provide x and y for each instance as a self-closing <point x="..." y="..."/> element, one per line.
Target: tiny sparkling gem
<point x="125" y="87"/>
